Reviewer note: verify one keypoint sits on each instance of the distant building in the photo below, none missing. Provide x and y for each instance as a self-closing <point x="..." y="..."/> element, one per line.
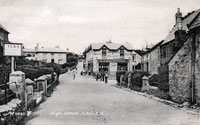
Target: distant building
<point x="46" y="54"/>
<point x="136" y="60"/>
<point x="151" y="59"/>
<point x="111" y="57"/>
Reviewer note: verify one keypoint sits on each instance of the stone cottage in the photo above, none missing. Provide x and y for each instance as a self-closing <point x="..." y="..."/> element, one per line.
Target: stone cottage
<point x="184" y="65"/>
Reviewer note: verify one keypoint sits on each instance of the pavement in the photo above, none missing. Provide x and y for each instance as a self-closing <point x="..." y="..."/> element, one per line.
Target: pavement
<point x="85" y="101"/>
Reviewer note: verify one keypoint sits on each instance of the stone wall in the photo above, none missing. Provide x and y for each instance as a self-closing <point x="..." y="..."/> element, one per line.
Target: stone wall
<point x="180" y="74"/>
<point x="197" y="66"/>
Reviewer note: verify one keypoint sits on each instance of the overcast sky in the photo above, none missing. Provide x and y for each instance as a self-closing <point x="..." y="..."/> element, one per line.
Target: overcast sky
<point x="74" y="24"/>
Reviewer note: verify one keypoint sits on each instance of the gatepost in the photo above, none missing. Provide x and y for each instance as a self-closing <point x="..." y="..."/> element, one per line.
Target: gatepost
<point x="18" y="78"/>
<point x="42" y="84"/>
<point x="145" y="83"/>
<point x="129" y="80"/>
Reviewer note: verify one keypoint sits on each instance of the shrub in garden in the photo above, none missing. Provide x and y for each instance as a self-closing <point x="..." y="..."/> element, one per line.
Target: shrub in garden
<point x="154" y="80"/>
<point x="4" y="73"/>
<point x="136" y="79"/>
<point x="118" y="74"/>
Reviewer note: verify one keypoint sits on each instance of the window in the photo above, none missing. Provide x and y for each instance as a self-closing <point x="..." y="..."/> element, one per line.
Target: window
<point x="28" y="55"/>
<point x="134" y="57"/>
<point x="1" y="36"/>
<point x="60" y="61"/>
<point x="44" y="60"/>
<point x="44" y="54"/>
<point x="122" y="52"/>
<point x="104" y="51"/>
<point x="52" y="55"/>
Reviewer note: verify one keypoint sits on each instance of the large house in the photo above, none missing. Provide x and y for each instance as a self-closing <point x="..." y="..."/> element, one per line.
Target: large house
<point x="46" y="54"/>
<point x="111" y="57"/>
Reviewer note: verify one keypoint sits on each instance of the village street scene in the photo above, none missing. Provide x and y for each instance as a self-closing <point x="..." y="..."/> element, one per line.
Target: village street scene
<point x="115" y="62"/>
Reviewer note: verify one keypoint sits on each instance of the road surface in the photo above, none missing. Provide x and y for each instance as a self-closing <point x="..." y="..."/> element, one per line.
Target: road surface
<point x="84" y="101"/>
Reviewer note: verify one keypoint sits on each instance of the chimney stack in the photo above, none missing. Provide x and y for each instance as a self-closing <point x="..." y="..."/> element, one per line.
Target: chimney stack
<point x="179" y="19"/>
<point x="180" y="34"/>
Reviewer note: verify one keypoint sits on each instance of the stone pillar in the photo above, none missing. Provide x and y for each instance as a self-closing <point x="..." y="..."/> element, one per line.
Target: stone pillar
<point x="18" y="78"/>
<point x="42" y="82"/>
<point x="129" y="80"/>
<point x="145" y="83"/>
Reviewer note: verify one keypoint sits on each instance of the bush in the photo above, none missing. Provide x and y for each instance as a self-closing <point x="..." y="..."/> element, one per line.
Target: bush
<point x="136" y="79"/>
<point x="118" y="74"/>
<point x="4" y="74"/>
<point x="154" y="80"/>
<point x="56" y="68"/>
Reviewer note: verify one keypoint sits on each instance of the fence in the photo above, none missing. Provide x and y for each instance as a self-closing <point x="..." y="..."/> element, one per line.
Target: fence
<point x="50" y="87"/>
<point x="5" y="94"/>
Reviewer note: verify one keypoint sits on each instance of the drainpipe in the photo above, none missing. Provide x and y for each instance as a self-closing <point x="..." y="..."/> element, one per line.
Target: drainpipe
<point x="193" y="60"/>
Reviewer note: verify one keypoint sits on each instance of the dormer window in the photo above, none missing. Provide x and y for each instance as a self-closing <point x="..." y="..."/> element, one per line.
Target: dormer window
<point x="104" y="51"/>
<point x="122" y="52"/>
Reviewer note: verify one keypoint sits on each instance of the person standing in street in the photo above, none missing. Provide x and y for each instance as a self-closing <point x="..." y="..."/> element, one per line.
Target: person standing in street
<point x="106" y="77"/>
<point x="103" y="75"/>
<point x="74" y="74"/>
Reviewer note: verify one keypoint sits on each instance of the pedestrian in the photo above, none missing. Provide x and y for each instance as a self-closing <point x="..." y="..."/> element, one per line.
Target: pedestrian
<point x="89" y="73"/>
<point x="74" y="74"/>
<point x="97" y="76"/>
<point x="103" y="75"/>
<point x="106" y="77"/>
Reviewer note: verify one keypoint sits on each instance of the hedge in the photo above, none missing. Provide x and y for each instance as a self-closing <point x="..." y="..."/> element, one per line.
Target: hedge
<point x="35" y="72"/>
<point x="154" y="80"/>
<point x="136" y="78"/>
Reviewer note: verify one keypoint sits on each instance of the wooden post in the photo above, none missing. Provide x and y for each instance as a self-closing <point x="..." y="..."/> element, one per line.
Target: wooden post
<point x="12" y="64"/>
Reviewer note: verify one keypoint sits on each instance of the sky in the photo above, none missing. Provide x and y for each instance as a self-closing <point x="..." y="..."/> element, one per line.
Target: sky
<point x="74" y="24"/>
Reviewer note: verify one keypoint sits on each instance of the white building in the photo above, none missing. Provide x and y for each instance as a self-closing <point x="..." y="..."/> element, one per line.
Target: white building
<point x="46" y="54"/>
<point x="111" y="57"/>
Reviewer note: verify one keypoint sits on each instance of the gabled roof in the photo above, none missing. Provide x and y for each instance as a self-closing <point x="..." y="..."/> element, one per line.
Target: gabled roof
<point x="111" y="46"/>
<point x="196" y="22"/>
<point x="186" y="40"/>
<point x="140" y="52"/>
<point x="187" y="20"/>
<point x="3" y="28"/>
<point x="155" y="46"/>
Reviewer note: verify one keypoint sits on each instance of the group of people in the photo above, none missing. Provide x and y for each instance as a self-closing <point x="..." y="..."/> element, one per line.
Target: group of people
<point x="102" y="75"/>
